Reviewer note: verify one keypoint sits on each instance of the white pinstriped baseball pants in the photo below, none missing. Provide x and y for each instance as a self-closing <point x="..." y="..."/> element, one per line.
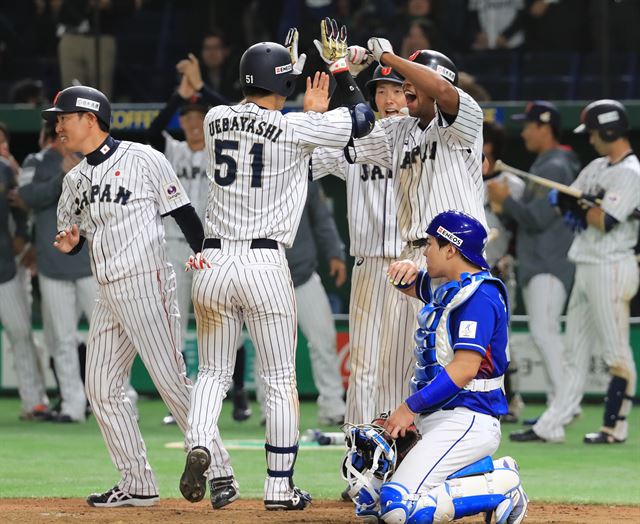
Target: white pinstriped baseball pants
<point x="251" y="286"/>
<point x="382" y="322"/>
<point x="62" y="303"/>
<point x="316" y="322"/>
<point x="15" y="315"/>
<point x="597" y="323"/>
<point x="544" y="298"/>
<point x="135" y="315"/>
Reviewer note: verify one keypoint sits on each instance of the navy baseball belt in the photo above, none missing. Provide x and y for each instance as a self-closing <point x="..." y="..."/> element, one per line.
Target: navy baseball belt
<point x="256" y="243"/>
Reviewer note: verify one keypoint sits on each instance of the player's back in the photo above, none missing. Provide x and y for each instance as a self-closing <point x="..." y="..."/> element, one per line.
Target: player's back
<point x="259" y="165"/>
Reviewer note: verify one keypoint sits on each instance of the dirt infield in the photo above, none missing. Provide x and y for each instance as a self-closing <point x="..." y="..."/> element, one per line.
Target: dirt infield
<point x="252" y="511"/>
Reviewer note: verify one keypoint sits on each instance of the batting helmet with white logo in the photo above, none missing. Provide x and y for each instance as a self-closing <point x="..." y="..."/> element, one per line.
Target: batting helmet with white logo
<point x="466" y="233"/>
<point x="608" y="117"/>
<point x="439" y="62"/>
<point x="267" y="65"/>
<point x="80" y="99"/>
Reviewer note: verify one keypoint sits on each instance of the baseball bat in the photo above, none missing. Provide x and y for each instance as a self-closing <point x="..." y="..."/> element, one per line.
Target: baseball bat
<point x="567" y="190"/>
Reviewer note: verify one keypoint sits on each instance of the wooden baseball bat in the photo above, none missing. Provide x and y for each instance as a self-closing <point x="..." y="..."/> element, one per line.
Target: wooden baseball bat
<point x="567" y="190"/>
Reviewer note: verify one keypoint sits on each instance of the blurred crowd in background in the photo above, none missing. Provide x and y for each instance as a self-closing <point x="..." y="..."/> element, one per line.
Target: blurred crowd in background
<point x="574" y="49"/>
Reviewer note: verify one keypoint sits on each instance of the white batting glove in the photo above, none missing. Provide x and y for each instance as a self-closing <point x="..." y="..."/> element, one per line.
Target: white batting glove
<point x="378" y="46"/>
<point x="291" y="43"/>
<point x="197" y="262"/>
<point x="358" y="59"/>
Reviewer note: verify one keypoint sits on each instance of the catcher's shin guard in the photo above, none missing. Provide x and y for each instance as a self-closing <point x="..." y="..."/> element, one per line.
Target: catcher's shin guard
<point x="485" y="486"/>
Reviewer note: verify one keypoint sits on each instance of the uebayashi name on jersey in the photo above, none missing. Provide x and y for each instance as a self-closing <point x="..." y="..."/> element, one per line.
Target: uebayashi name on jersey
<point x="246" y="125"/>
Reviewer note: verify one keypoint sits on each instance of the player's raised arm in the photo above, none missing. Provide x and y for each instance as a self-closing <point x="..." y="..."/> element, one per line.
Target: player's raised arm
<point x="434" y="82"/>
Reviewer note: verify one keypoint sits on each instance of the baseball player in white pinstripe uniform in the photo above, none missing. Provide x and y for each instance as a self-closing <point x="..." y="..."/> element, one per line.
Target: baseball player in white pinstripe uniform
<point x="116" y="198"/>
<point x="606" y="278"/>
<point x="259" y="163"/>
<point x="381" y="320"/>
<point x="436" y="155"/>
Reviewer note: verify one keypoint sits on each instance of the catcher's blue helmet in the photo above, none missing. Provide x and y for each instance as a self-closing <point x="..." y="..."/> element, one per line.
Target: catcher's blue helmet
<point x="267" y="65"/>
<point x="463" y="231"/>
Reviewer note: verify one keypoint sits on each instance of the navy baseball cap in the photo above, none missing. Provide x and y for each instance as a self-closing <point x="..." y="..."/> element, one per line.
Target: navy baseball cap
<point x="541" y="112"/>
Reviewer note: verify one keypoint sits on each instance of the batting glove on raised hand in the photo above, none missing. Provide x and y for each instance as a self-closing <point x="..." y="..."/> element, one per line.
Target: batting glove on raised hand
<point x="378" y="46"/>
<point x="291" y="43"/>
<point x="358" y="59"/>
<point x="333" y="45"/>
<point x="197" y="262"/>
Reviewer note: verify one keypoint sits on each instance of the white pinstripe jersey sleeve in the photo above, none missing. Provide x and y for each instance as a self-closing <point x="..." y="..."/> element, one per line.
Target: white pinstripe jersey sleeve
<point x="327" y="161"/>
<point x="377" y="147"/>
<point x="467" y="125"/>
<point x="65" y="216"/>
<point x="168" y="190"/>
<point x="330" y="129"/>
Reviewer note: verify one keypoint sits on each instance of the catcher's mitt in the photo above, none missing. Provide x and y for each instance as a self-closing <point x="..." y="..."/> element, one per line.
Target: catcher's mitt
<point x="403" y="444"/>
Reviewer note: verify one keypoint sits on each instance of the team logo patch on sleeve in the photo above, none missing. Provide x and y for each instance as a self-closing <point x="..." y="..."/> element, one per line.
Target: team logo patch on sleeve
<point x="171" y="191"/>
<point x="467" y="329"/>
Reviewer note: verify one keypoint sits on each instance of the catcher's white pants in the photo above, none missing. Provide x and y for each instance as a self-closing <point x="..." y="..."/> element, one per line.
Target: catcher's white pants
<point x="251" y="286"/>
<point x="62" y="302"/>
<point x="450" y="441"/>
<point x="316" y="322"/>
<point x="134" y="315"/>
<point x="544" y="299"/>
<point x="15" y="315"/>
<point x="597" y="323"/>
<point x="382" y="322"/>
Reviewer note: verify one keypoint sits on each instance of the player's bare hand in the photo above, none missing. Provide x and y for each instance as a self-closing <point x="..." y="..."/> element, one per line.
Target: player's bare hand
<point x="338" y="271"/>
<point x="291" y="43"/>
<point x="185" y="89"/>
<point x="403" y="273"/>
<point x="379" y="46"/>
<point x="316" y="97"/>
<point x="398" y="422"/>
<point x="197" y="262"/>
<point x="332" y="45"/>
<point x="190" y="69"/>
<point x="358" y="59"/>
<point x="67" y="239"/>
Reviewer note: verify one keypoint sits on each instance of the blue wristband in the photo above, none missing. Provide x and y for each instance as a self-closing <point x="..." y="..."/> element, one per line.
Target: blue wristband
<point x="423" y="286"/>
<point x="435" y="395"/>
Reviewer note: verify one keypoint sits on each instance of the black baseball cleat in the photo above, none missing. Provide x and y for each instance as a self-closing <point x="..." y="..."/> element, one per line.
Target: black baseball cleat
<point x="299" y="500"/>
<point x="600" y="437"/>
<point x="116" y="498"/>
<point x="224" y="490"/>
<point x="525" y="435"/>
<point x="344" y="496"/>
<point x="241" y="409"/>
<point x="193" y="483"/>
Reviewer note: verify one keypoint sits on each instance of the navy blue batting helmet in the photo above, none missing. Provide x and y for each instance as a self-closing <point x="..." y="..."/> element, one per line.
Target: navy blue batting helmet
<point x="381" y="74"/>
<point x="437" y="61"/>
<point x="466" y="233"/>
<point x="80" y="99"/>
<point x="608" y="117"/>
<point x="267" y="65"/>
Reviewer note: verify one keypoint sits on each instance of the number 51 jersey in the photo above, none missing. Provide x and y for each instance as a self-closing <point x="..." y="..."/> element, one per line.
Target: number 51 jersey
<point x="259" y="166"/>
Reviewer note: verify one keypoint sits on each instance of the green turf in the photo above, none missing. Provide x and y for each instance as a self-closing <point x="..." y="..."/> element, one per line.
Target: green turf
<point x="51" y="460"/>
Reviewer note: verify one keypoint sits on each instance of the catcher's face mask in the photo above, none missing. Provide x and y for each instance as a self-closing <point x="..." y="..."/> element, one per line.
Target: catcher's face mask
<point x="370" y="459"/>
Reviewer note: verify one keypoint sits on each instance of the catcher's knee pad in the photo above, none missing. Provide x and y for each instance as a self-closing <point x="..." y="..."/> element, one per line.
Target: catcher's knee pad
<point x="395" y="505"/>
<point x="367" y="505"/>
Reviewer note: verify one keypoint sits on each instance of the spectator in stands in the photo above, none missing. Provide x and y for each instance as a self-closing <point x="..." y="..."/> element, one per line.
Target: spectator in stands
<point x="218" y="66"/>
<point x="558" y="25"/>
<point x="77" y="47"/>
<point x="27" y="91"/>
<point x="542" y="241"/>
<point x="421" y="34"/>
<point x="421" y="12"/>
<point x="488" y="19"/>
<point x="620" y="24"/>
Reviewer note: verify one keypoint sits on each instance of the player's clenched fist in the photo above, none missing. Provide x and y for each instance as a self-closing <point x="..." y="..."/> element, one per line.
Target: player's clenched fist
<point x="378" y="46"/>
<point x="67" y="239"/>
<point x="402" y="273"/>
<point x="197" y="262"/>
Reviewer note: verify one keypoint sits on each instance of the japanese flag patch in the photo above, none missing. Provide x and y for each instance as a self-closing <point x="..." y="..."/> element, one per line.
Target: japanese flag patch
<point x="467" y="329"/>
